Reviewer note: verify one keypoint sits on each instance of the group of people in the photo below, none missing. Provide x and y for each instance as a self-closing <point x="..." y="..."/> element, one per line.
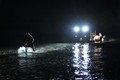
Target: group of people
<point x="96" y="38"/>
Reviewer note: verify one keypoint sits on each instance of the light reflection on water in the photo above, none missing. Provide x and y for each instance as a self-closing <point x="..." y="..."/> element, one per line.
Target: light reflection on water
<point x="97" y="63"/>
<point x="83" y="62"/>
<point x="87" y="64"/>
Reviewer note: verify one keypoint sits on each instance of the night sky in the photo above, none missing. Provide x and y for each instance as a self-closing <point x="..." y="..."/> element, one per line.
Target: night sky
<point x="53" y="20"/>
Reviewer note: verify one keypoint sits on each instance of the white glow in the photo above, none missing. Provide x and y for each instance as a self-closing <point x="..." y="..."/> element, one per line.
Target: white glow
<point x="81" y="60"/>
<point x="77" y="72"/>
<point x="76" y="58"/>
<point x="85" y="55"/>
<point x="23" y="49"/>
<point x="29" y="49"/>
<point x="85" y="28"/>
<point x="41" y="49"/>
<point x="76" y="29"/>
<point x="22" y="52"/>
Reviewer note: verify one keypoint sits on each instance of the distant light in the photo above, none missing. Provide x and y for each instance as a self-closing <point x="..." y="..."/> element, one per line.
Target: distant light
<point x="85" y="28"/>
<point x="76" y="29"/>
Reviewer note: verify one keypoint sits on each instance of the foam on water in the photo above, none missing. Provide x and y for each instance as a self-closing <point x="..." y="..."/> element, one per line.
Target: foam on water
<point x="23" y="49"/>
<point x="42" y="49"/>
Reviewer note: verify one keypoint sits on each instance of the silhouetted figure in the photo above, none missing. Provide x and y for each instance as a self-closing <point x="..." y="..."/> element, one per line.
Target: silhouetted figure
<point x="30" y="42"/>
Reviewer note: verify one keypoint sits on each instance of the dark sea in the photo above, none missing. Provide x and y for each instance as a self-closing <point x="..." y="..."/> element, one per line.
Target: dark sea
<point x="62" y="61"/>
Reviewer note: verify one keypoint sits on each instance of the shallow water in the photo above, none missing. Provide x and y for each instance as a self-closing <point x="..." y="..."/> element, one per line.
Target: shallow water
<point x="64" y="61"/>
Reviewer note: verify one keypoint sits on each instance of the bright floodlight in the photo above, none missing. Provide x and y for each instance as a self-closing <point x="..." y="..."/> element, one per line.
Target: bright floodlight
<point x="76" y="29"/>
<point x="85" y="28"/>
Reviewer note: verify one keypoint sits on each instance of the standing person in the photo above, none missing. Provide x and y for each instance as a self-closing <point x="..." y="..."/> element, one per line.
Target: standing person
<point x="30" y="42"/>
<point x="100" y="37"/>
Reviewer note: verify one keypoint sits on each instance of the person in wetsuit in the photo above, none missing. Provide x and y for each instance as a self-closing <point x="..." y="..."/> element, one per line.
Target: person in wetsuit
<point x="30" y="42"/>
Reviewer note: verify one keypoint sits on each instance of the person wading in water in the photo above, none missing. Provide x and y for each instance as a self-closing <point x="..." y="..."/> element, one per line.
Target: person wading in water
<point x="30" y="42"/>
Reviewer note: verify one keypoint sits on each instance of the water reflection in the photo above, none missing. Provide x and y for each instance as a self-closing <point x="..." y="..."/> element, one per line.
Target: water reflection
<point x="97" y="66"/>
<point x="56" y="65"/>
<point x="82" y="61"/>
<point x="87" y="62"/>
